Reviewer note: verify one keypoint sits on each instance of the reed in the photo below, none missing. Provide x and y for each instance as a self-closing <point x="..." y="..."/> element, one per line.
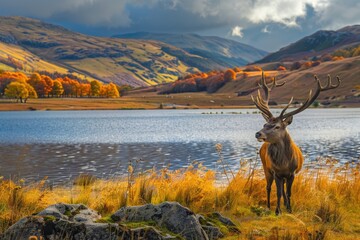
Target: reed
<point x="326" y="206"/>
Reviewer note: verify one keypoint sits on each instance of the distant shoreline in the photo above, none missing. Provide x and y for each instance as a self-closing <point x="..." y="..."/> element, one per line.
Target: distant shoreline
<point x="147" y="102"/>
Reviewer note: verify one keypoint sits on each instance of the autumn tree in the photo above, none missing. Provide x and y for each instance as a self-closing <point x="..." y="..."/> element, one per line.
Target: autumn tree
<point x="110" y="91"/>
<point x="38" y="84"/>
<point x="8" y="77"/>
<point x="84" y="89"/>
<point x="49" y="84"/>
<point x="70" y="86"/>
<point x="113" y="91"/>
<point x="95" y="88"/>
<point x="57" y="89"/>
<point x="20" y="91"/>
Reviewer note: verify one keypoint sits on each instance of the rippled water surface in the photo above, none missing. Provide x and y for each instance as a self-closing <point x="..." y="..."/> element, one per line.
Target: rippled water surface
<point x="63" y="144"/>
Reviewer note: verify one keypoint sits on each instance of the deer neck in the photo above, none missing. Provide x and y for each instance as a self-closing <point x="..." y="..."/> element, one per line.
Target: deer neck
<point x="281" y="151"/>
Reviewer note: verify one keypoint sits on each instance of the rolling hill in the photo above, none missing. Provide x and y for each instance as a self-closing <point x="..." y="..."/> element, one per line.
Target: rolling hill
<point x="219" y="51"/>
<point x="317" y="44"/>
<point x="237" y="92"/>
<point x="133" y="62"/>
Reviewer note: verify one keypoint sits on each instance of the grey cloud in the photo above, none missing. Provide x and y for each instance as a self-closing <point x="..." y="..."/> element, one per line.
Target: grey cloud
<point x="217" y="17"/>
<point x="340" y="13"/>
<point x="88" y="12"/>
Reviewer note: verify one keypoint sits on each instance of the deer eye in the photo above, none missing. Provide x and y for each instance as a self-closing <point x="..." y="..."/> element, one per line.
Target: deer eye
<point x="277" y="127"/>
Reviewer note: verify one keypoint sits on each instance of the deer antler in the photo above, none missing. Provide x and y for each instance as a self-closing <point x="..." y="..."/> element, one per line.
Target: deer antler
<point x="310" y="98"/>
<point x="263" y="104"/>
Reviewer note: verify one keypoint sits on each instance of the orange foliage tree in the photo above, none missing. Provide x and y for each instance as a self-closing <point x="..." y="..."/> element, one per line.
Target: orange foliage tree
<point x="20" y="90"/>
<point x="57" y="89"/>
<point x="229" y="75"/>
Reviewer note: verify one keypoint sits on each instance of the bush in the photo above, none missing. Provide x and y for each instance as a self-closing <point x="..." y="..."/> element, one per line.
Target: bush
<point x="296" y="66"/>
<point x="229" y="75"/>
<point x="281" y="68"/>
<point x="316" y="63"/>
<point x="215" y="83"/>
<point x="236" y="69"/>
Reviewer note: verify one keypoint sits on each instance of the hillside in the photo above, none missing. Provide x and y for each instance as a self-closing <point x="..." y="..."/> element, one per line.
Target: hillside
<point x="299" y="82"/>
<point x="237" y="93"/>
<point x="317" y="44"/>
<point x="220" y="52"/>
<point x="133" y="62"/>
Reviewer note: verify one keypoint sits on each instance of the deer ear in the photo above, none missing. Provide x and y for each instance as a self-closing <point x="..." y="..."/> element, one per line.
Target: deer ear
<point x="288" y="120"/>
<point x="265" y="116"/>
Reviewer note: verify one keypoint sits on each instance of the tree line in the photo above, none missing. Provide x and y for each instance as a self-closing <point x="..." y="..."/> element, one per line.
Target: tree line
<point x="19" y="86"/>
<point x="197" y="82"/>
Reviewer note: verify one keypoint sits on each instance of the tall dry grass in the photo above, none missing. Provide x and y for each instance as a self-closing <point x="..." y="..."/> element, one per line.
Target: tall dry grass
<point x="325" y="199"/>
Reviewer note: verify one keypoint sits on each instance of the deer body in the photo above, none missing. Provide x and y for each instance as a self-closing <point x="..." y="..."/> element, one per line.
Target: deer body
<point x="280" y="156"/>
<point x="281" y="160"/>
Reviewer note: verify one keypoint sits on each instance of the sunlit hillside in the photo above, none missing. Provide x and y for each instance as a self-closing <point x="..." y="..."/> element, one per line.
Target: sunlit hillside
<point x="133" y="62"/>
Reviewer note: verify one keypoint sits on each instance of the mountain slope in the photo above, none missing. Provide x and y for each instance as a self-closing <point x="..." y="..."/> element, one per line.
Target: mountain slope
<point x="134" y="62"/>
<point x="317" y="44"/>
<point x="222" y="52"/>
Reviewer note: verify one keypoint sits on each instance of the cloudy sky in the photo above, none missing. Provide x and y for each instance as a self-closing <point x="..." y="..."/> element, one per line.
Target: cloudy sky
<point x="265" y="24"/>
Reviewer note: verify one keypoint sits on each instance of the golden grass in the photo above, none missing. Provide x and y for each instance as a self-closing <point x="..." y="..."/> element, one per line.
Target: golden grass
<point x="325" y="201"/>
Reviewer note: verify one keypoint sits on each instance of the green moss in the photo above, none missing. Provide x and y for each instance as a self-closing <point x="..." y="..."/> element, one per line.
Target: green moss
<point x="145" y="224"/>
<point x="106" y="219"/>
<point x="139" y="224"/>
<point x="212" y="220"/>
<point x="67" y="213"/>
<point x="49" y="218"/>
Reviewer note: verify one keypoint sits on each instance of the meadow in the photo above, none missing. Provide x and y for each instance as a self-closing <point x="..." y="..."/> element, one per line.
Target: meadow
<point x="325" y="197"/>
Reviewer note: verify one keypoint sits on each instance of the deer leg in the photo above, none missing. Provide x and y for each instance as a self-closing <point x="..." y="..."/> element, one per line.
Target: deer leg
<point x="284" y="194"/>
<point x="289" y="182"/>
<point x="269" y="181"/>
<point x="279" y="190"/>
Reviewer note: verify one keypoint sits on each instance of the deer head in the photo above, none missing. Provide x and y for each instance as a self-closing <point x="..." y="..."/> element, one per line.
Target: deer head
<point x="275" y="127"/>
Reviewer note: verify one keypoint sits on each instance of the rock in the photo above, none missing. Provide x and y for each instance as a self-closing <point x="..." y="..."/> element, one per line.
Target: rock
<point x="224" y="220"/>
<point x="213" y="232"/>
<point x="148" y="233"/>
<point x="76" y="222"/>
<point x="170" y="215"/>
<point x="151" y="222"/>
<point x="72" y="212"/>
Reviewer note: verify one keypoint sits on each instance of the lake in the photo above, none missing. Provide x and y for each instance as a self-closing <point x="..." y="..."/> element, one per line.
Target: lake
<point x="63" y="144"/>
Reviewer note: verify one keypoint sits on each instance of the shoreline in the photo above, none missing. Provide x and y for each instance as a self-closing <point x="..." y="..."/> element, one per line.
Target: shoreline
<point x="143" y="103"/>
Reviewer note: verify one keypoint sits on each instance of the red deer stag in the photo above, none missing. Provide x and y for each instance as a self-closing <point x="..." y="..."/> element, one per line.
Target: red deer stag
<point x="280" y="156"/>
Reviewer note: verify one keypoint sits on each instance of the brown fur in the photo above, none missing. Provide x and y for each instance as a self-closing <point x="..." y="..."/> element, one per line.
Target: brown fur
<point x="281" y="159"/>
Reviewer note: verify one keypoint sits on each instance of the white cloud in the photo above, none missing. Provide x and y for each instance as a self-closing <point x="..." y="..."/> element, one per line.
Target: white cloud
<point x="286" y="12"/>
<point x="237" y="32"/>
<point x="266" y="29"/>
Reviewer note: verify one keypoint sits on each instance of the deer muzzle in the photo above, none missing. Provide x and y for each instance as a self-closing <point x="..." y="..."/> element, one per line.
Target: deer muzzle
<point x="260" y="136"/>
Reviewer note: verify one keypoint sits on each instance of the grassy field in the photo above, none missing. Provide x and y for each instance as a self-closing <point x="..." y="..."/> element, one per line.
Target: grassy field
<point x="142" y="101"/>
<point x="325" y="199"/>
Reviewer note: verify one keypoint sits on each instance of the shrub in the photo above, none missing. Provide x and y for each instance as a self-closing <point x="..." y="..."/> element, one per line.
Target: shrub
<point x="215" y="83"/>
<point x="337" y="58"/>
<point x="316" y="63"/>
<point x="281" y="68"/>
<point x="296" y="66"/>
<point x="236" y="69"/>
<point x="229" y="75"/>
